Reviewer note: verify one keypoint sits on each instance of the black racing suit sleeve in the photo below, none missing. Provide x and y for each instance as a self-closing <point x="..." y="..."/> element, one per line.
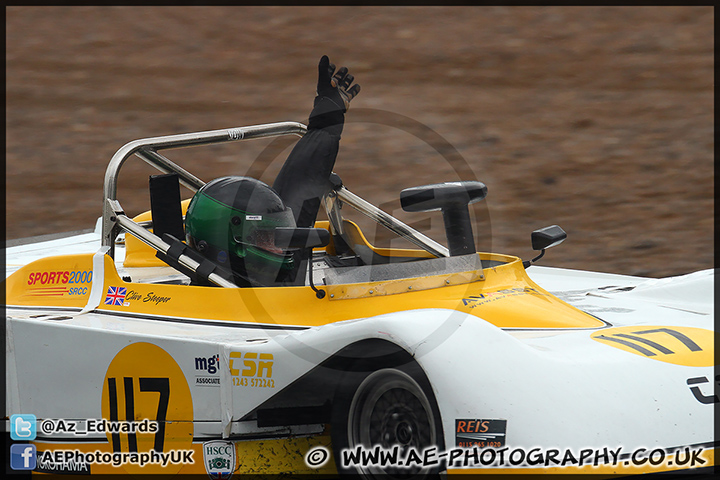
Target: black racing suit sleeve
<point x="303" y="179"/>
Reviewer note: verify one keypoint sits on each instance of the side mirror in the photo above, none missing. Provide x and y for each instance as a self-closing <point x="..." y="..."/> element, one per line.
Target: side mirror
<point x="286" y="237"/>
<point x="545" y="238"/>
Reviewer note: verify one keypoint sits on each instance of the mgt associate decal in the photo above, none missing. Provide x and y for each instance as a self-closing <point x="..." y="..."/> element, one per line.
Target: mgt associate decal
<point x="207" y="371"/>
<point x="122" y="296"/>
<point x="59" y="283"/>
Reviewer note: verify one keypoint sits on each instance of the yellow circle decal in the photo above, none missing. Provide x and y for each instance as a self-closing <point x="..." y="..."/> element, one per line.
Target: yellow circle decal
<point x="147" y="406"/>
<point x="689" y="346"/>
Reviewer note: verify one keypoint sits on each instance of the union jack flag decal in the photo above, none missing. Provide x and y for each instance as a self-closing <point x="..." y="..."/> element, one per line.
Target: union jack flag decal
<point x="115" y="296"/>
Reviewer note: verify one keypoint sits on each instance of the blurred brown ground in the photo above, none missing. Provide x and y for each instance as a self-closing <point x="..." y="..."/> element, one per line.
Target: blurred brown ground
<point x="599" y="119"/>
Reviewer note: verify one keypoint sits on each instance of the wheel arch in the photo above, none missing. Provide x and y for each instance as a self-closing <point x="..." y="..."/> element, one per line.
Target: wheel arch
<point x="309" y="399"/>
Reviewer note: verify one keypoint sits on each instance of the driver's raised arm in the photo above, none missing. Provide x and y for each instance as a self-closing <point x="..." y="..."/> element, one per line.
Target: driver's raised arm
<point x="303" y="179"/>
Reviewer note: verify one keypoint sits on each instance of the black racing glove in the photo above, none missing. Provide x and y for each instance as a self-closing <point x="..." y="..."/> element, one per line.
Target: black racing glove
<point x="333" y="97"/>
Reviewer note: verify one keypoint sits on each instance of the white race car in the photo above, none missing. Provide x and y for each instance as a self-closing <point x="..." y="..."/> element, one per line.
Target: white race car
<point x="127" y="352"/>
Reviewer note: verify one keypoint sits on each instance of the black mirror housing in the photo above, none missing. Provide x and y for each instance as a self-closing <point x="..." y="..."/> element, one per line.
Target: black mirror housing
<point x="547" y="237"/>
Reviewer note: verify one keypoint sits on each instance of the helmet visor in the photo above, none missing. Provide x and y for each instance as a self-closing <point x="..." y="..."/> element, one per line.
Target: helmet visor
<point x="259" y="230"/>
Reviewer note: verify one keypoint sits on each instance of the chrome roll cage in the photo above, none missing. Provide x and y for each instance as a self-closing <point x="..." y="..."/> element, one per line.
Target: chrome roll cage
<point x="114" y="220"/>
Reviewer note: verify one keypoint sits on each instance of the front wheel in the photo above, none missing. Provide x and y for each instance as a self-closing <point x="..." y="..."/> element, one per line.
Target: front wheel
<point x="389" y="409"/>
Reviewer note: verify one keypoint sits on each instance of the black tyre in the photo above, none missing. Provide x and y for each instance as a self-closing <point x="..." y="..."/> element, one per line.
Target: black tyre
<point x="389" y="408"/>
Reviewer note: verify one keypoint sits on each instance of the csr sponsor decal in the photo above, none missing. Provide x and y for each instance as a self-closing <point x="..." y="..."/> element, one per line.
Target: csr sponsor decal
<point x="480" y="432"/>
<point x="219" y="459"/>
<point x="473" y="301"/>
<point x="207" y="365"/>
<point x="122" y="296"/>
<point x="252" y="369"/>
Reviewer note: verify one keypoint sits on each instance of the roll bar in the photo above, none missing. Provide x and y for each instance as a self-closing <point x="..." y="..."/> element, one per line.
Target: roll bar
<point x="147" y="150"/>
<point x="114" y="219"/>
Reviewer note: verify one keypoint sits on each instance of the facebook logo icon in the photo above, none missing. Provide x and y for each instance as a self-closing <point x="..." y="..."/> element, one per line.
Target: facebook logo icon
<point x="23" y="456"/>
<point x="23" y="427"/>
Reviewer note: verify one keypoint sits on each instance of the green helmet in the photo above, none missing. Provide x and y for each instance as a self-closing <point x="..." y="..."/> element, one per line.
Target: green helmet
<point x="231" y="221"/>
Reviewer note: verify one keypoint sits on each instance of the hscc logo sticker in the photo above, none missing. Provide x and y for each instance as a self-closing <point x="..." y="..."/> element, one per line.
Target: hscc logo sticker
<point x="480" y="432"/>
<point x="219" y="458"/>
